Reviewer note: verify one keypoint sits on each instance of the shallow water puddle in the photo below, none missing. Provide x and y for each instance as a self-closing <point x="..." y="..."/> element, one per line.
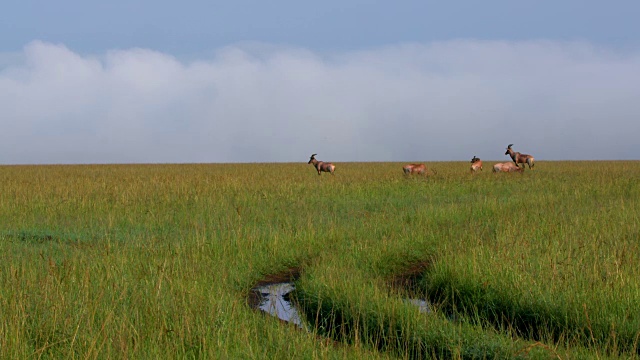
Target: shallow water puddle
<point x="272" y="295"/>
<point x="274" y="299"/>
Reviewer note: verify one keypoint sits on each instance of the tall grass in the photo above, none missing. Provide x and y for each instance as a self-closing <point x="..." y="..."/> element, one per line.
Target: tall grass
<point x="146" y="261"/>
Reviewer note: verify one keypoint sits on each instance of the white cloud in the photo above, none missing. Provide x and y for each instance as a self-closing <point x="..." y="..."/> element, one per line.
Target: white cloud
<point x="258" y="103"/>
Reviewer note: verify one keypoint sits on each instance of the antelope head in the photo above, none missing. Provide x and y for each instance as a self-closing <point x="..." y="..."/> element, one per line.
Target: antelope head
<point x="313" y="157"/>
<point x="508" y="149"/>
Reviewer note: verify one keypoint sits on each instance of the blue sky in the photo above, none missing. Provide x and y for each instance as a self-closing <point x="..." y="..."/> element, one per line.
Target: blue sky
<point x="245" y="81"/>
<point x="196" y="27"/>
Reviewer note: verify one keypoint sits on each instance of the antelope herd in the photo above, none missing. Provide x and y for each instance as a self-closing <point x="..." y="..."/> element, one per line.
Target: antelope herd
<point x="476" y="164"/>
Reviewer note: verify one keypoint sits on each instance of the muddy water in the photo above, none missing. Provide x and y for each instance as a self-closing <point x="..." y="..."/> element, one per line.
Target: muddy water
<point x="275" y="300"/>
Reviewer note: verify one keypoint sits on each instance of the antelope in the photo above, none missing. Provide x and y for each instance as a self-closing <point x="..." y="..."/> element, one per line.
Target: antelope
<point x="507" y="167"/>
<point x="321" y="165"/>
<point x="519" y="158"/>
<point x="410" y="169"/>
<point x="476" y="164"/>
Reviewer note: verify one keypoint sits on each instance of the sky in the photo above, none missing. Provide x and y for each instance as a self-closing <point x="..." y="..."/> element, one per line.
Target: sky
<point x="274" y="81"/>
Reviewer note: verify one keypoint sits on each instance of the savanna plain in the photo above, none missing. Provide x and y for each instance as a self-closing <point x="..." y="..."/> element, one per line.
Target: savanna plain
<point x="158" y="261"/>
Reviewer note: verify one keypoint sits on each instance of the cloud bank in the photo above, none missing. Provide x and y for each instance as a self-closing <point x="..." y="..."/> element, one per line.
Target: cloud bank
<point x="260" y="103"/>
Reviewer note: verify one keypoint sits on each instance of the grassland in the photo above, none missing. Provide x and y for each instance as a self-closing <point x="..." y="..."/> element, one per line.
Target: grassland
<point x="150" y="261"/>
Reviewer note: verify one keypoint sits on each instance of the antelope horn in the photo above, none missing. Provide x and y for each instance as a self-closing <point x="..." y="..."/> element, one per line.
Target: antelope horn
<point x="509" y="147"/>
<point x="312" y="155"/>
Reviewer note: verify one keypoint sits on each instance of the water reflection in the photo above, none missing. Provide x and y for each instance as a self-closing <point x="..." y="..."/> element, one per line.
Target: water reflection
<point x="274" y="299"/>
<point x="423" y="305"/>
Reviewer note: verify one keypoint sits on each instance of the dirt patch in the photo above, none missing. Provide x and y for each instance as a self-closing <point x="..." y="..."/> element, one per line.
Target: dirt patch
<point x="289" y="275"/>
<point x="407" y="280"/>
<point x="407" y="284"/>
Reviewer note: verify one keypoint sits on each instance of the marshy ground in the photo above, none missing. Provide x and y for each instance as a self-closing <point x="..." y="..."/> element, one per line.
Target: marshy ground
<point x="148" y="261"/>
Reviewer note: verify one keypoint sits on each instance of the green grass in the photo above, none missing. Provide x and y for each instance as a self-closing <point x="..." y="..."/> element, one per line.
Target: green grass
<point x="148" y="261"/>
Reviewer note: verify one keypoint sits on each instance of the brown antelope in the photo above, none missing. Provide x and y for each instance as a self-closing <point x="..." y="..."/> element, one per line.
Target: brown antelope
<point x="411" y="169"/>
<point x="321" y="165"/>
<point x="506" y="167"/>
<point x="519" y="158"/>
<point x="476" y="164"/>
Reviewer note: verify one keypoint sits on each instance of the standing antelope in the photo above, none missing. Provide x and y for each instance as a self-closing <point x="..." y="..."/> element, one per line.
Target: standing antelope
<point x="410" y="169"/>
<point x="476" y="164"/>
<point x="519" y="158"/>
<point x="321" y="165"/>
<point x="507" y="167"/>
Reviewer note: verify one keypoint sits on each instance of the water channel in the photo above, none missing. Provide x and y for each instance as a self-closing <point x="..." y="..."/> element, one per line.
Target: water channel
<point x="275" y="300"/>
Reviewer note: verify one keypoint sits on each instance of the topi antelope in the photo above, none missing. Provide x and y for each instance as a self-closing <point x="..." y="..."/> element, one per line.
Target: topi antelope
<point x="506" y="167"/>
<point x="410" y="169"/>
<point x="321" y="165"/>
<point x="519" y="158"/>
<point x="476" y="164"/>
